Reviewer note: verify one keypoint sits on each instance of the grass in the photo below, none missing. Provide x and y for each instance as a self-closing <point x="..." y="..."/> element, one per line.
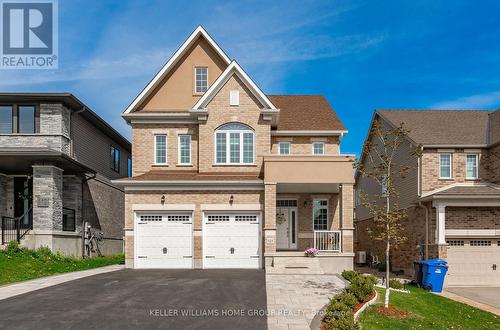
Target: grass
<point x="19" y="264"/>
<point x="428" y="311"/>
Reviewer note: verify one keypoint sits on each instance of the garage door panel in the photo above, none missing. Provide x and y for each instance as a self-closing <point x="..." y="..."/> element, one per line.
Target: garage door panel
<point x="231" y="241"/>
<point x="162" y="243"/>
<point x="470" y="264"/>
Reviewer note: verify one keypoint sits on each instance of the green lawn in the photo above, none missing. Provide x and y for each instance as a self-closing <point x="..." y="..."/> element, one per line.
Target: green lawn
<point x="428" y="311"/>
<point x="22" y="264"/>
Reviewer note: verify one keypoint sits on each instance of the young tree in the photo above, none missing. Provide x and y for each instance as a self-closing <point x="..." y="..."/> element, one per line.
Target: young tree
<point x="385" y="165"/>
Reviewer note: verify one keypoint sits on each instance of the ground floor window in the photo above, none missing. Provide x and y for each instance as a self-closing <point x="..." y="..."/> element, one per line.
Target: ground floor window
<point x="320" y="214"/>
<point x="69" y="221"/>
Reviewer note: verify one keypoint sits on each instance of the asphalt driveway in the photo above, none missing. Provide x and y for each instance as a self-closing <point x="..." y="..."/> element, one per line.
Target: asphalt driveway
<point x="486" y="295"/>
<point x="144" y="299"/>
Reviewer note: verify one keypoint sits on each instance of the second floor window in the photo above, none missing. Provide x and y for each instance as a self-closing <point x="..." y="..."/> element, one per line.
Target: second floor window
<point x="185" y="149"/>
<point x="26" y="119"/>
<point x="234" y="144"/>
<point x="318" y="148"/>
<point x="284" y="148"/>
<point x="200" y="79"/>
<point x="445" y="165"/>
<point x="6" y="119"/>
<point x="160" y="149"/>
<point x="115" y="159"/>
<point x="471" y="166"/>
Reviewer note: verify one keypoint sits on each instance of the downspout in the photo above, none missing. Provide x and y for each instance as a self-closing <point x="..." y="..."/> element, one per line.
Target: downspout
<point x="82" y="212"/>
<point x="426" y="251"/>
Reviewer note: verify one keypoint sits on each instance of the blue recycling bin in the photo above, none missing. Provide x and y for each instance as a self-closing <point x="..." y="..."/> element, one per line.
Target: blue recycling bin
<point x="433" y="273"/>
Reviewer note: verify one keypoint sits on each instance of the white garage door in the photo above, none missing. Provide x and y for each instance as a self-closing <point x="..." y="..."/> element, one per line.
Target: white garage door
<point x="164" y="241"/>
<point x="473" y="262"/>
<point x="231" y="241"/>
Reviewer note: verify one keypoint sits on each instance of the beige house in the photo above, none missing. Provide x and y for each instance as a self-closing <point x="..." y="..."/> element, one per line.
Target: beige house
<point x="225" y="176"/>
<point x="452" y="194"/>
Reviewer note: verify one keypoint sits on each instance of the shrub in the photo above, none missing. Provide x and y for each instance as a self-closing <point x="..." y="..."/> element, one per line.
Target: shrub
<point x="346" y="322"/>
<point x="349" y="274"/>
<point x="12" y="248"/>
<point x="347" y="299"/>
<point x="362" y="287"/>
<point x="395" y="284"/>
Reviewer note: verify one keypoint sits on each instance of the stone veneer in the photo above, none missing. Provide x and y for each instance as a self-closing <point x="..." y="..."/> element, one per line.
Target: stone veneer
<point x="48" y="197"/>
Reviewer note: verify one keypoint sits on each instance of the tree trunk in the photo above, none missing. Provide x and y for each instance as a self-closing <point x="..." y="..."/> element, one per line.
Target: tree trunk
<point x="387" y="274"/>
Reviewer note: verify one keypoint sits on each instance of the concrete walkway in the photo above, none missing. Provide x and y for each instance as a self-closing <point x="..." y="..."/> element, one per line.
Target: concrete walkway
<point x="294" y="300"/>
<point x="15" y="289"/>
<point x="486" y="299"/>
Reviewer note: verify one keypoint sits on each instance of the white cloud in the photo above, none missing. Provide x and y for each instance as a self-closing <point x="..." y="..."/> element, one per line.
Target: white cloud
<point x="489" y="100"/>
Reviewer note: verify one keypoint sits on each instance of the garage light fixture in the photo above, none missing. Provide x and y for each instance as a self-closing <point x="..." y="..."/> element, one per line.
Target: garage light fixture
<point x="162" y="200"/>
<point x="231" y="200"/>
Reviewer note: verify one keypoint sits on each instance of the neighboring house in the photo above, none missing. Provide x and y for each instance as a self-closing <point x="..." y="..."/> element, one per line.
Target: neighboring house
<point x="451" y="194"/>
<point x="57" y="158"/>
<point x="225" y="176"/>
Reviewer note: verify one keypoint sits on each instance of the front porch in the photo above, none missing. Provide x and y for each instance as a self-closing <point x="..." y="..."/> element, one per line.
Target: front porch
<point x="308" y="204"/>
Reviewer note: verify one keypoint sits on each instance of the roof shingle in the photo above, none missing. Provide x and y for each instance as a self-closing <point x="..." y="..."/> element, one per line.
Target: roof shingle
<point x="442" y="127"/>
<point x="305" y="112"/>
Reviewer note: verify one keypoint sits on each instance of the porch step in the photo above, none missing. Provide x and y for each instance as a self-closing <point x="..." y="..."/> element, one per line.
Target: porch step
<point x="295" y="265"/>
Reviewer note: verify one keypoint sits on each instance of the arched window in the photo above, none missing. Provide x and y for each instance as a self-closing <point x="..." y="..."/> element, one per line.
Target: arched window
<point x="234" y="144"/>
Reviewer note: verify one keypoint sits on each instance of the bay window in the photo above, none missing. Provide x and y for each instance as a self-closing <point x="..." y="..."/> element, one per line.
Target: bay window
<point x="234" y="144"/>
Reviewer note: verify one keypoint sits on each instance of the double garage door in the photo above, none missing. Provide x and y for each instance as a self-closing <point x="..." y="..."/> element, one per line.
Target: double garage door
<point x="473" y="262"/>
<point x="165" y="240"/>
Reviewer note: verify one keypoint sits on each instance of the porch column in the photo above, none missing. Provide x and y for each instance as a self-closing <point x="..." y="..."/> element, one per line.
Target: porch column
<point x="3" y="195"/>
<point x="270" y="218"/>
<point x="47" y="203"/>
<point x="442" y="250"/>
<point x="346" y="226"/>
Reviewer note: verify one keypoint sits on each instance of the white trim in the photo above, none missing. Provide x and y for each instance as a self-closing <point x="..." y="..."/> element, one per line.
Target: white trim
<point x="318" y="142"/>
<point x="473" y="232"/>
<point x="199" y="31"/>
<point x="166" y="149"/>
<point x="164" y="207"/>
<point x="228" y="145"/>
<point x="451" y="164"/>
<point x="235" y="68"/>
<point x="179" y="150"/>
<point x="289" y="148"/>
<point x="309" y="133"/>
<point x="229" y="207"/>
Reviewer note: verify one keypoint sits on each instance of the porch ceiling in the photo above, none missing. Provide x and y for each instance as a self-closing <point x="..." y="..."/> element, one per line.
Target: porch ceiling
<point x="20" y="161"/>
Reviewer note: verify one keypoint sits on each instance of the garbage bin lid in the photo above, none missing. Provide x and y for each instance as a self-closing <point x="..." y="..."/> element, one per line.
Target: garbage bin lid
<point x="434" y="262"/>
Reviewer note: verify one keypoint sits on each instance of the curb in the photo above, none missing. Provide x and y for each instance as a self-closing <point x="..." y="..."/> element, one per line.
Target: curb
<point x="366" y="305"/>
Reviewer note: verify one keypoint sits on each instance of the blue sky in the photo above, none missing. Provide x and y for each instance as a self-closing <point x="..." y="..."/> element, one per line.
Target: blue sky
<point x="361" y="55"/>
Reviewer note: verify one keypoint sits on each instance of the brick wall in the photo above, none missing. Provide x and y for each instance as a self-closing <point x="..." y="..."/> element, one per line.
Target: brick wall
<point x="492" y="164"/>
<point x="472" y="217"/>
<point x="143" y="141"/>
<point x="302" y="145"/>
<point x="430" y="169"/>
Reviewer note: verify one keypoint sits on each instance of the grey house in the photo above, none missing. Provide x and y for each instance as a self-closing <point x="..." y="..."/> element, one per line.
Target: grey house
<point x="57" y="160"/>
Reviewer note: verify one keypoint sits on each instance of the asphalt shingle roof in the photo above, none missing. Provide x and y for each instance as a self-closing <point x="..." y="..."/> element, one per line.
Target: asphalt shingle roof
<point x="442" y="127"/>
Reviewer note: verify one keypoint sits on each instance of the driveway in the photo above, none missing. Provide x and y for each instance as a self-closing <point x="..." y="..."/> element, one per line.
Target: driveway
<point x="140" y="299"/>
<point x="486" y="295"/>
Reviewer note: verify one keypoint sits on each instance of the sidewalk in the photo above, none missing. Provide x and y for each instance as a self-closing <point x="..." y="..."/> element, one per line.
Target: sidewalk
<point x="470" y="302"/>
<point x="11" y="290"/>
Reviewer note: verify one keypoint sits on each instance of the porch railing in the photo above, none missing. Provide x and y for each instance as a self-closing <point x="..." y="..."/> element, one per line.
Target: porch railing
<point x="327" y="240"/>
<point x="14" y="229"/>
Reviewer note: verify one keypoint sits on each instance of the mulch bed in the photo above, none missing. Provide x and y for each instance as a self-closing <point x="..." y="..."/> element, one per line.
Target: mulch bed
<point x="393" y="312"/>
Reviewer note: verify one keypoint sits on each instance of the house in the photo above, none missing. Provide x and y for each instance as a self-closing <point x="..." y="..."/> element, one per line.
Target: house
<point x="225" y="176"/>
<point x="57" y="160"/>
<point x="451" y="194"/>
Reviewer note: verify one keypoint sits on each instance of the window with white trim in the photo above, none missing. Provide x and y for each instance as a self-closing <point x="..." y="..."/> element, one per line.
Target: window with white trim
<point x="160" y="149"/>
<point x="234" y="144"/>
<point x="284" y="148"/>
<point x="445" y="165"/>
<point x="201" y="79"/>
<point x="320" y="214"/>
<point x="184" y="149"/>
<point x="318" y="148"/>
<point x="471" y="166"/>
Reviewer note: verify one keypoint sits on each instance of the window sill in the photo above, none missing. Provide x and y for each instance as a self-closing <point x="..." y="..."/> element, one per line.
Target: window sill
<point x="446" y="179"/>
<point x="471" y="179"/>
<point x="160" y="165"/>
<point x="184" y="165"/>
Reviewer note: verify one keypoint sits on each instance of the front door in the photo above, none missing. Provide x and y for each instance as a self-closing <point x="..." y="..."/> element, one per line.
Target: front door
<point x="23" y="190"/>
<point x="286" y="228"/>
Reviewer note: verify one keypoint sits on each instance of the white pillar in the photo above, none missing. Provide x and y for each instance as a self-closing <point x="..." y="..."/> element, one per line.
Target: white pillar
<point x="440" y="223"/>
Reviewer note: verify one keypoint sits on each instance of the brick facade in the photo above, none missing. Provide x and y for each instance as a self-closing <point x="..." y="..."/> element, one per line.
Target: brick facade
<point x="302" y="145"/>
